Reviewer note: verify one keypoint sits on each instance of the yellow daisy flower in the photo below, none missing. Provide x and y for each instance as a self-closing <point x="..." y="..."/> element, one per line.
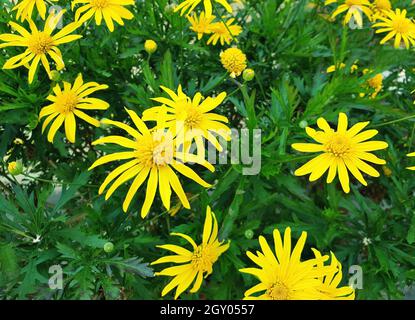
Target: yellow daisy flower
<point x="411" y="155"/>
<point x="234" y="61"/>
<point x="379" y="8"/>
<point x="223" y="33"/>
<point x="341" y="151"/>
<point x="354" y="9"/>
<point x="25" y="8"/>
<point x="68" y="103"/>
<point x="201" y="24"/>
<point x="330" y="282"/>
<point x="152" y="155"/>
<point x="191" y="119"/>
<point x="189" y="5"/>
<point x="110" y="10"/>
<point x="195" y="264"/>
<point x="38" y="44"/>
<point x="397" y="25"/>
<point x="282" y="274"/>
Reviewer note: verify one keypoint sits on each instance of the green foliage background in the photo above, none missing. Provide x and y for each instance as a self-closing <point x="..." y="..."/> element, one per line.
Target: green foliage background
<point x="289" y="46"/>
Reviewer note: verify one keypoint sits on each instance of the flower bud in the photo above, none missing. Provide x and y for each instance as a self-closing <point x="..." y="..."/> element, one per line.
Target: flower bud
<point x="109" y="247"/>
<point x="249" y="234"/>
<point x="15" y="167"/>
<point x="303" y="124"/>
<point x="248" y="75"/>
<point x="150" y="46"/>
<point x="55" y="75"/>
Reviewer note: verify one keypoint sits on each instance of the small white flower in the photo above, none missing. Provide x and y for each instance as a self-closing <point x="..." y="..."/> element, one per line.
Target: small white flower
<point x="37" y="240"/>
<point x="367" y="241"/>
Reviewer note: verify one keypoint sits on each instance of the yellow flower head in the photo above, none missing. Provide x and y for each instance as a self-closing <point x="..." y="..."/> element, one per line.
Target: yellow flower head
<point x="375" y="83"/>
<point x="191" y="119"/>
<point x="379" y="8"/>
<point x="150" y="46"/>
<point x="194" y="264"/>
<point x="25" y="9"/>
<point x="341" y="151"/>
<point x="411" y="155"/>
<point x="330" y="282"/>
<point x="39" y="44"/>
<point x="201" y="24"/>
<point x="282" y="274"/>
<point x="152" y="156"/>
<point x="354" y="9"/>
<point x="68" y="103"/>
<point x="234" y="61"/>
<point x="397" y="25"/>
<point x="223" y="33"/>
<point x="189" y="5"/>
<point x="110" y="10"/>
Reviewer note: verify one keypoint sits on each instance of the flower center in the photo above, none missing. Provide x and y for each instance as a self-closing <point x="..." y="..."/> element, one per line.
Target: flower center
<point x="40" y="43"/>
<point x="67" y="102"/>
<point x="401" y="25"/>
<point x="156" y="151"/>
<point x="99" y="4"/>
<point x="338" y="145"/>
<point x="203" y="259"/>
<point x="193" y="118"/>
<point x="278" y="291"/>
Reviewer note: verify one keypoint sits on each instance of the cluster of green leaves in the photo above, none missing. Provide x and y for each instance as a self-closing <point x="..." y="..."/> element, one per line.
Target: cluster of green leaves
<point x="289" y="44"/>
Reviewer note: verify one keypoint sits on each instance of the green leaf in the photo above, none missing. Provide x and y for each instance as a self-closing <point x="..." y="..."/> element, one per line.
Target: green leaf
<point x="69" y="193"/>
<point x="134" y="265"/>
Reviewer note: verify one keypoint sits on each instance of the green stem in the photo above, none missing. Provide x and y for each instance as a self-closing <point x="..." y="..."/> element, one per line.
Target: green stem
<point x="60" y="183"/>
<point x="411" y="139"/>
<point x="296" y="158"/>
<point x="393" y="121"/>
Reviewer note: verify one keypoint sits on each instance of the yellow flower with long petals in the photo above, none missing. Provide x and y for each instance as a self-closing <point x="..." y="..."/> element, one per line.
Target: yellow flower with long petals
<point x="189" y="5"/>
<point x="68" y="104"/>
<point x="152" y="156"/>
<point x="411" y="155"/>
<point x="195" y="264"/>
<point x="354" y="9"/>
<point x="397" y="25"/>
<point x="25" y="8"/>
<point x="39" y="44"/>
<point x="223" y="33"/>
<point x="341" y="151"/>
<point x="330" y="282"/>
<point x="109" y="10"/>
<point x="191" y="119"/>
<point x="282" y="274"/>
<point x="201" y="25"/>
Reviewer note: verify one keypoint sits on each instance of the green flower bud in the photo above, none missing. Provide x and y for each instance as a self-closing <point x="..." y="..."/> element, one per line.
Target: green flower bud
<point x="249" y="234"/>
<point x="109" y="247"/>
<point x="15" y="167"/>
<point x="303" y="124"/>
<point x="55" y="75"/>
<point x="248" y="75"/>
